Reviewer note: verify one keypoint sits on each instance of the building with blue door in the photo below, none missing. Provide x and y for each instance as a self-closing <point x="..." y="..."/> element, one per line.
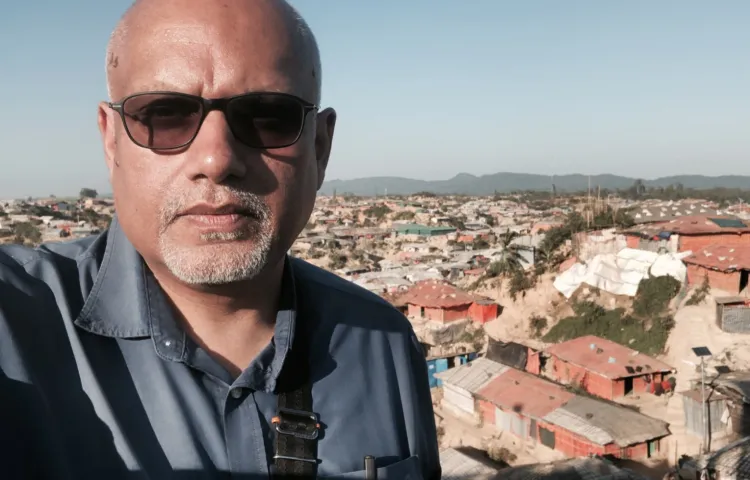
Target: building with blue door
<point x="443" y="363"/>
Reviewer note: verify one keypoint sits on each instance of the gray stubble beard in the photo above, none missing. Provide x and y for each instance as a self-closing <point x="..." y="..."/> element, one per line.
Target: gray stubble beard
<point x="220" y="261"/>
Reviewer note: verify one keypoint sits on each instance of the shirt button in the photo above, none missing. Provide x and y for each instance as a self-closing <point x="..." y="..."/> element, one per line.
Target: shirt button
<point x="236" y="393"/>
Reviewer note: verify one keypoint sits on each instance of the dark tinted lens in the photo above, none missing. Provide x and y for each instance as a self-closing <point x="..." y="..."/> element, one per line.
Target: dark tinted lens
<point x="267" y="120"/>
<point x="162" y="121"/>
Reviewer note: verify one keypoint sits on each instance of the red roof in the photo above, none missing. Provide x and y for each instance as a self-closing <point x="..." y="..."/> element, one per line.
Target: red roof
<point x="438" y="294"/>
<point x="722" y="258"/>
<point x="521" y="392"/>
<point x="690" y="225"/>
<point x="606" y="358"/>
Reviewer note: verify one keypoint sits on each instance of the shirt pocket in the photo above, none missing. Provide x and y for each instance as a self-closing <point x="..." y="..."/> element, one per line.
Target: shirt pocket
<point x="407" y="469"/>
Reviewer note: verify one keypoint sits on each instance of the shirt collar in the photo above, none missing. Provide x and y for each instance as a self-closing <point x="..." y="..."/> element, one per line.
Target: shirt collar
<point x="117" y="305"/>
<point x="126" y="302"/>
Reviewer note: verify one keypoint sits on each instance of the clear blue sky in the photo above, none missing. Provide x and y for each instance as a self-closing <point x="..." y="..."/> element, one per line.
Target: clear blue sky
<point x="431" y="88"/>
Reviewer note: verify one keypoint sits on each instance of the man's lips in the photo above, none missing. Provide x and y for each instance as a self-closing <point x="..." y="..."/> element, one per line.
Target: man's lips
<point x="227" y="216"/>
<point x="216" y="210"/>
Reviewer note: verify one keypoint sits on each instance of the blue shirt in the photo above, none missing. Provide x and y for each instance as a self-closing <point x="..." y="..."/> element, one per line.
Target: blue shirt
<point x="98" y="380"/>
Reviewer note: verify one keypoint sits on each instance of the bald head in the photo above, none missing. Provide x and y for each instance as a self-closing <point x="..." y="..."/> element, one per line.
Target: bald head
<point x="276" y="19"/>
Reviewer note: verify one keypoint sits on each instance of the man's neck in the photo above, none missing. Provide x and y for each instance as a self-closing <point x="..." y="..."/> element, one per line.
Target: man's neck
<point x="232" y="322"/>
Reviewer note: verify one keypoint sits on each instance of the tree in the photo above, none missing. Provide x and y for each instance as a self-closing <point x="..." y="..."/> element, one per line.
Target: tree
<point x="337" y="262"/>
<point x="511" y="260"/>
<point x="88" y="193"/>
<point x="378" y="211"/>
<point x="26" y="231"/>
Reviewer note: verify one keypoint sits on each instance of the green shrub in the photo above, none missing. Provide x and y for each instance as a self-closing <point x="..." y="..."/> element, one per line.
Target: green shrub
<point x="699" y="295"/>
<point x="647" y="336"/>
<point x="654" y="295"/>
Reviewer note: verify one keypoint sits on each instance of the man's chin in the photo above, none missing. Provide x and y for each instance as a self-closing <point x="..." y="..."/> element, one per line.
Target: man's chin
<point x="215" y="262"/>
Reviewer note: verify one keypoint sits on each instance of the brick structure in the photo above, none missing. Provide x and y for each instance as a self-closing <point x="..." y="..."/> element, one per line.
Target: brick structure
<point x="539" y="411"/>
<point x="725" y="266"/>
<point x="603" y="368"/>
<point x="442" y="302"/>
<point x="720" y="247"/>
<point x="694" y="233"/>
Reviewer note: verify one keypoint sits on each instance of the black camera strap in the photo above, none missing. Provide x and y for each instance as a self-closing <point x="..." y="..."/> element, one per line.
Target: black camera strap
<point x="295" y="425"/>
<point x="297" y="431"/>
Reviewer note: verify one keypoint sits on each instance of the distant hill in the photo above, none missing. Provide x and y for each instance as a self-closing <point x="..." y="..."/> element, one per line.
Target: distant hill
<point x="504" y="182"/>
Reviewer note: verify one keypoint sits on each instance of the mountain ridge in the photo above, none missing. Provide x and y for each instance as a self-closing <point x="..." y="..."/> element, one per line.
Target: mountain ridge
<point x="505" y="182"/>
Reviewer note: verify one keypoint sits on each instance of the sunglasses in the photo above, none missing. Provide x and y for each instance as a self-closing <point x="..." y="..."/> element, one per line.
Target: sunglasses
<point x="171" y="120"/>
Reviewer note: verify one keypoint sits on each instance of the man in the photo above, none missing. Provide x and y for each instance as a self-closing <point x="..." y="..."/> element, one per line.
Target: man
<point x="183" y="342"/>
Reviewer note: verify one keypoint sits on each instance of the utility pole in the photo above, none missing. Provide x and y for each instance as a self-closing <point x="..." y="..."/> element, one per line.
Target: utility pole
<point x="702" y="353"/>
<point x="588" y="214"/>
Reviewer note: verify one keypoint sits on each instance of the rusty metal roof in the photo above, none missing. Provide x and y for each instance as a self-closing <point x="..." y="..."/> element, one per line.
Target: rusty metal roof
<point x="594" y="468"/>
<point x="721" y="257"/>
<point x="456" y="465"/>
<point x="692" y="225"/>
<point x="598" y="421"/>
<point x="521" y="392"/>
<point x="438" y="294"/>
<point x="731" y="461"/>
<point x="603" y="422"/>
<point x="606" y="357"/>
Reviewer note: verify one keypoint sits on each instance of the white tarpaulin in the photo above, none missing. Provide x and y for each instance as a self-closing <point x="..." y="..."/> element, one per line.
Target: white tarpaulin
<point x="620" y="274"/>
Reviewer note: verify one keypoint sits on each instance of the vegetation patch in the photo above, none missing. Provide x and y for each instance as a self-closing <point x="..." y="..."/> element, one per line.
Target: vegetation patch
<point x="537" y="324"/>
<point x="646" y="329"/>
<point x="700" y="294"/>
<point x="654" y="295"/>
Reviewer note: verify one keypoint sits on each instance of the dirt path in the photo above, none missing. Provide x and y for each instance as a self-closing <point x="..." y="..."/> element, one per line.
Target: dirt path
<point x="460" y="432"/>
<point x="695" y="326"/>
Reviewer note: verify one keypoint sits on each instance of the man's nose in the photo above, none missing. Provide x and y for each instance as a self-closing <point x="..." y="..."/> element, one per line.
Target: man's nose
<point x="214" y="152"/>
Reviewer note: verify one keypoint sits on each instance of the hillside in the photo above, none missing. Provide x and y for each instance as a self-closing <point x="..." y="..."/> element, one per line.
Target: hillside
<point x="504" y="182"/>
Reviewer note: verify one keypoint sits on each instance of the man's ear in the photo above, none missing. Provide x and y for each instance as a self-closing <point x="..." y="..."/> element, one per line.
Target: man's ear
<point x="106" y="119"/>
<point x="326" y="124"/>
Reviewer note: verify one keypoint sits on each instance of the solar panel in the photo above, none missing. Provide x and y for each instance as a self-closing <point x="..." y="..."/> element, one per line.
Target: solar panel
<point x="728" y="222"/>
<point x="701" y="351"/>
<point x="722" y="369"/>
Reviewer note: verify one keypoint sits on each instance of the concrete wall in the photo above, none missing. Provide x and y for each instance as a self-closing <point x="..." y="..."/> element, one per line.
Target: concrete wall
<point x="734" y="318"/>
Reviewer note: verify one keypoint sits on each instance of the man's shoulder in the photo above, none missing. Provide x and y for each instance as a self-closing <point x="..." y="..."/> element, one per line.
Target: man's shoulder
<point x="335" y="294"/>
<point x="49" y="262"/>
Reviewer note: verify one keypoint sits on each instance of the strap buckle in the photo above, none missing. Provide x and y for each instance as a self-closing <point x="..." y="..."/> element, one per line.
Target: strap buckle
<point x="297" y="423"/>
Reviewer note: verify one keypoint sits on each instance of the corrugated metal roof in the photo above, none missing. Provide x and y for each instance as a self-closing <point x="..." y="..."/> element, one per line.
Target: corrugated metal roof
<point x="526" y="394"/>
<point x="457" y="466"/>
<point x="731" y="461"/>
<point x="473" y="375"/>
<point x="438" y="294"/>
<point x="571" y="469"/>
<point x="577" y="425"/>
<point x="596" y="354"/>
<point x="624" y="426"/>
<point x="736" y="382"/>
<point x="688" y="225"/>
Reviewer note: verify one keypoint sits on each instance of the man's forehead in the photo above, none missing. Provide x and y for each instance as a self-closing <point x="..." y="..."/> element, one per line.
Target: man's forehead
<point x="216" y="48"/>
<point x="199" y="58"/>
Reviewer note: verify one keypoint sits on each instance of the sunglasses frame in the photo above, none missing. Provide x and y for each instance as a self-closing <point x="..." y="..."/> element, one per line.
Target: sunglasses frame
<point x="209" y="105"/>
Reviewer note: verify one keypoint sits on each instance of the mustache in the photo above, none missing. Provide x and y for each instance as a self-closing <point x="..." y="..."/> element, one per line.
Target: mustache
<point x="248" y="202"/>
